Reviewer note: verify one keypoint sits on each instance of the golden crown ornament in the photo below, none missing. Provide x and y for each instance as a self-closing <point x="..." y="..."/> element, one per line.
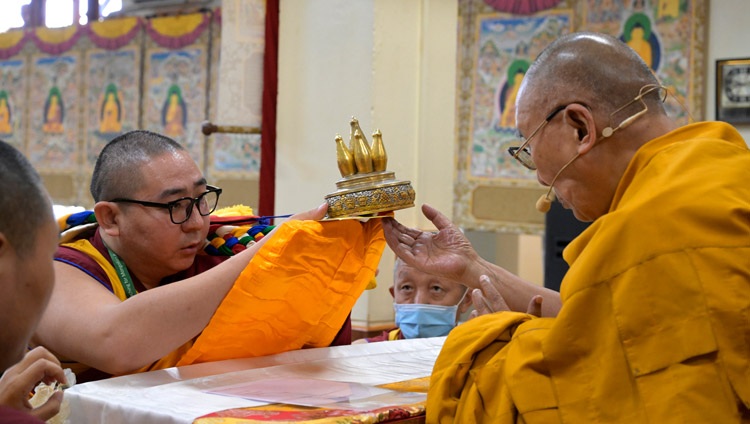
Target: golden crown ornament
<point x="366" y="187"/>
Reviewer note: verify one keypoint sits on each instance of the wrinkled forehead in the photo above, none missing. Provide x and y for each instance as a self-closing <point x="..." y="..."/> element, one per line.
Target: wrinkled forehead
<point x="424" y="281"/>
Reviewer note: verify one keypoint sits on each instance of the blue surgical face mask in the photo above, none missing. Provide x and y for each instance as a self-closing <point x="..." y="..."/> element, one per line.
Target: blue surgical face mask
<point x="419" y="320"/>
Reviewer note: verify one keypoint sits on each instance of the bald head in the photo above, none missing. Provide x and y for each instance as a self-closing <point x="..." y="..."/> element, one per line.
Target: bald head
<point x="116" y="173"/>
<point x="596" y="69"/>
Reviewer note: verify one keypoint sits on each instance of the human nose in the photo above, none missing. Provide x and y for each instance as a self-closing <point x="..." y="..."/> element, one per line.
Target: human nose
<point x="420" y="297"/>
<point x="195" y="219"/>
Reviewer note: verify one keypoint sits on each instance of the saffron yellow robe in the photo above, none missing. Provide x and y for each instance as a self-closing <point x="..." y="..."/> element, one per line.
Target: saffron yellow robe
<point x="655" y="322"/>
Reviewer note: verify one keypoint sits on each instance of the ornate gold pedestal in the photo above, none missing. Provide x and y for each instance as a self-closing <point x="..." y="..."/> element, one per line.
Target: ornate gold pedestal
<point x="368" y="194"/>
<point x="366" y="188"/>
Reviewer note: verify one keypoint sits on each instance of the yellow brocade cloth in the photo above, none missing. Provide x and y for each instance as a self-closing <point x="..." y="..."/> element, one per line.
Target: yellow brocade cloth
<point x="655" y="322"/>
<point x="296" y="291"/>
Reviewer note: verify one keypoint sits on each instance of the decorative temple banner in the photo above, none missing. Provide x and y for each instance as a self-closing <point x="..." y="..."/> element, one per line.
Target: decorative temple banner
<point x="56" y="40"/>
<point x="237" y="155"/>
<point x="11" y="43"/>
<point x="507" y="45"/>
<point x="65" y="92"/>
<point x="175" y="79"/>
<point x="495" y="50"/>
<point x="669" y="35"/>
<point x="112" y="96"/>
<point x="13" y="86"/>
<point x="114" y="33"/>
<point x="54" y="121"/>
<point x="174" y="99"/>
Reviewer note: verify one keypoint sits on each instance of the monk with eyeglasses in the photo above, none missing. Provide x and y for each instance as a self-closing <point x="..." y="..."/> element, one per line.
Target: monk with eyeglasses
<point x="652" y="322"/>
<point x="132" y="292"/>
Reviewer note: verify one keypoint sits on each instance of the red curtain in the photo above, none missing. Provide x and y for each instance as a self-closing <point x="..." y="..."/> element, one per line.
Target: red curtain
<point x="268" y="124"/>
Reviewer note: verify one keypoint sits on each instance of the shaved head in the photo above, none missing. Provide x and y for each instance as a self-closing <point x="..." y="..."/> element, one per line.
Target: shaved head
<point x="117" y="171"/>
<point x="597" y="69"/>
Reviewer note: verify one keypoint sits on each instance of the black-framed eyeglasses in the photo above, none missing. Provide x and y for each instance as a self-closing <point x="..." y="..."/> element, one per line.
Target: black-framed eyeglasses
<point x="522" y="153"/>
<point x="181" y="209"/>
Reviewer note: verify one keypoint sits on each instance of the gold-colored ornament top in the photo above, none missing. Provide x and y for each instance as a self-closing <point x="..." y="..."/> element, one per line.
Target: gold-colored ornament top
<point x="366" y="187"/>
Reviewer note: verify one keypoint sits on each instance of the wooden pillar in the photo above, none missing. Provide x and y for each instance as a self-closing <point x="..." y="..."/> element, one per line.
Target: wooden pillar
<point x="93" y="12"/>
<point x="33" y="13"/>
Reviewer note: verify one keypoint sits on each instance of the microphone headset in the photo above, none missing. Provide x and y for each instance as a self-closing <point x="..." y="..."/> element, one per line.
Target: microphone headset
<point x="544" y="203"/>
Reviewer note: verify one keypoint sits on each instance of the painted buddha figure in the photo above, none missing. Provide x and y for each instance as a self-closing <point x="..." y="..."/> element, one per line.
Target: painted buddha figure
<point x="110" y="114"/>
<point x="6" y="124"/>
<point x="174" y="113"/>
<point x="54" y="112"/>
<point x="516" y="72"/>
<point x="637" y="34"/>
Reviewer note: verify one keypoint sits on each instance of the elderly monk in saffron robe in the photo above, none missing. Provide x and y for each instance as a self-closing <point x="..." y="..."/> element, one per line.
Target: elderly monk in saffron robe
<point x="652" y="323"/>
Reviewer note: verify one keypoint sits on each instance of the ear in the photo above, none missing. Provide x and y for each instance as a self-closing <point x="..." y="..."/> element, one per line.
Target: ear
<point x="390" y="289"/>
<point x="466" y="303"/>
<point x="108" y="215"/>
<point x="580" y="118"/>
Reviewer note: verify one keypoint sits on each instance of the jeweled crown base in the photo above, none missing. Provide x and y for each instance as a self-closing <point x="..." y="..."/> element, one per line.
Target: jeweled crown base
<point x="368" y="194"/>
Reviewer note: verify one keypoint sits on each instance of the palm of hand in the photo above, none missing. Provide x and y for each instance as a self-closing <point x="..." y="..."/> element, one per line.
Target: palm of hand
<point x="447" y="253"/>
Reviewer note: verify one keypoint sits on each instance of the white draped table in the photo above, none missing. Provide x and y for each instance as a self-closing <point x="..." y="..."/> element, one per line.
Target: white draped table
<point x="177" y="395"/>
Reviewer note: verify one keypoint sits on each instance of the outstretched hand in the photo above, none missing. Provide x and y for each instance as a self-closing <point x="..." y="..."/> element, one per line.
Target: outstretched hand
<point x="39" y="365"/>
<point x="447" y="253"/>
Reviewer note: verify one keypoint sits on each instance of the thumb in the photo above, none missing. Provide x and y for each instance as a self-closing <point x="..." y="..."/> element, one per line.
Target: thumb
<point x="50" y="408"/>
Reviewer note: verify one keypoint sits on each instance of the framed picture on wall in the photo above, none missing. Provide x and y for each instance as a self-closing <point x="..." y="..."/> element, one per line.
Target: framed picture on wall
<point x="733" y="90"/>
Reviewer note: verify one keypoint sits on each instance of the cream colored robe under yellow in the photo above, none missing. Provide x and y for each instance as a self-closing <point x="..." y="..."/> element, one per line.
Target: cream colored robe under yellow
<point x="655" y="323"/>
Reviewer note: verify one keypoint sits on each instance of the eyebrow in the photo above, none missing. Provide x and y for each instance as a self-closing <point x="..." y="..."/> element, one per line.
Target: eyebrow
<point x="175" y="191"/>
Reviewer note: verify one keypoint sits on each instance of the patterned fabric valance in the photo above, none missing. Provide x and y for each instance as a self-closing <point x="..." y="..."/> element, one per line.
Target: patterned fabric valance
<point x="56" y="40"/>
<point x="175" y="32"/>
<point x="115" y="33"/>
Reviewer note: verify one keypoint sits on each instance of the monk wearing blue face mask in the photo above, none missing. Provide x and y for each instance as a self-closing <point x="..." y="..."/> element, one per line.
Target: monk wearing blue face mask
<point x="425" y="305"/>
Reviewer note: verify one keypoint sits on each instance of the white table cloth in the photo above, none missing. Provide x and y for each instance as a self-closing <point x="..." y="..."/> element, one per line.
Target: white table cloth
<point x="176" y="395"/>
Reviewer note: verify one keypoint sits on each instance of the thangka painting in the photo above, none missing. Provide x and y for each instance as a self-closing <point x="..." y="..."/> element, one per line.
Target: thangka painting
<point x="174" y="102"/>
<point x="13" y="85"/>
<point x="495" y="49"/>
<point x="506" y="47"/>
<point x="112" y="96"/>
<point x="54" y="123"/>
<point x="238" y="155"/>
<point x="668" y="35"/>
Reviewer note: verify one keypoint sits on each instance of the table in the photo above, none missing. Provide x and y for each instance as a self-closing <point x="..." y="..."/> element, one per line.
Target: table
<point x="177" y="395"/>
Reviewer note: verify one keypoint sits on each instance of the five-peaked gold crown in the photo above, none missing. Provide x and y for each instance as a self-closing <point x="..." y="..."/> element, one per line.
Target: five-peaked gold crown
<point x="366" y="188"/>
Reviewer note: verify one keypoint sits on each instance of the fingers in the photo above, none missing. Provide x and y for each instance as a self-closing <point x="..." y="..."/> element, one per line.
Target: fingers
<point x="441" y="221"/>
<point x="487" y="299"/>
<point x="399" y="238"/>
<point x="50" y="408"/>
<point x="313" y="214"/>
<point x="495" y="300"/>
<point x="398" y="230"/>
<point x="535" y="306"/>
<point x="481" y="306"/>
<point x="42" y="370"/>
<point x="21" y="379"/>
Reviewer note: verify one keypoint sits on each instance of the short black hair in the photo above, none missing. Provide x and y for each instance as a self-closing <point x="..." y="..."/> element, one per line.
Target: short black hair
<point x="24" y="202"/>
<point x="116" y="173"/>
